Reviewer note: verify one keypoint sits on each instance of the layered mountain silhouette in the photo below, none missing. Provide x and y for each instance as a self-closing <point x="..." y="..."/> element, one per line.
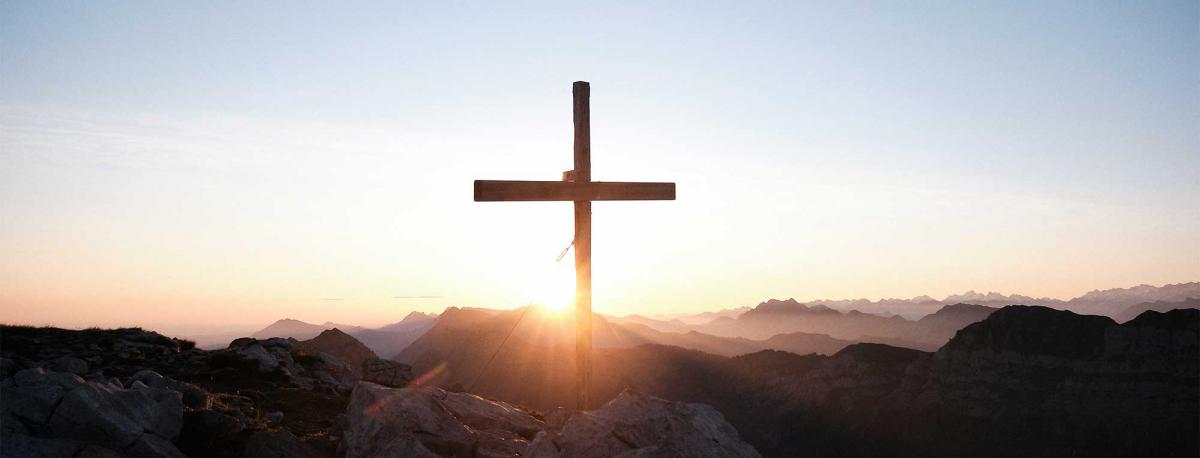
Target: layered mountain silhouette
<point x="775" y="317"/>
<point x="299" y="330"/>
<point x="1026" y="380"/>
<point x="386" y="341"/>
<point x="921" y="322"/>
<point x="1110" y="302"/>
<point x="1157" y="306"/>
<point x="1021" y="381"/>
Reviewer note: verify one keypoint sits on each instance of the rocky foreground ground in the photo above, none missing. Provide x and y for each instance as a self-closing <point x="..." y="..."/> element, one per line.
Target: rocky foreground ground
<point x="130" y="392"/>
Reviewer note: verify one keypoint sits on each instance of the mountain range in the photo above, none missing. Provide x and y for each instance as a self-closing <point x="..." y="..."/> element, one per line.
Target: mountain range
<point x="386" y="341"/>
<point x="775" y="317"/>
<point x="815" y="327"/>
<point x="1024" y="381"/>
<point x="1109" y="302"/>
<point x="1011" y="381"/>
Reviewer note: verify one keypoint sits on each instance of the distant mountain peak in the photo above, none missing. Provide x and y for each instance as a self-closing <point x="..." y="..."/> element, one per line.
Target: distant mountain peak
<point x="963" y="307"/>
<point x="297" y="329"/>
<point x="418" y="316"/>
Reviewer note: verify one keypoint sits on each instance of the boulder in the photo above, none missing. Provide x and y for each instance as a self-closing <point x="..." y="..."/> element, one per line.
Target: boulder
<point x="483" y="415"/>
<point x="96" y="451"/>
<point x="118" y="417"/>
<point x="34" y="393"/>
<point x="386" y="373"/>
<point x="32" y="404"/>
<point x="636" y="424"/>
<point x="277" y="444"/>
<point x="59" y="414"/>
<point x="193" y="396"/>
<point x="270" y="355"/>
<point x="385" y="422"/>
<point x="71" y="365"/>
<point x="206" y="430"/>
<point x="7" y="366"/>
<point x="152" y="446"/>
<point x="18" y="445"/>
<point x="266" y="361"/>
<point x="330" y="369"/>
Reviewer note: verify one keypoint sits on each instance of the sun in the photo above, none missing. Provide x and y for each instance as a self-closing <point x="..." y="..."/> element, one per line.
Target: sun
<point x="555" y="290"/>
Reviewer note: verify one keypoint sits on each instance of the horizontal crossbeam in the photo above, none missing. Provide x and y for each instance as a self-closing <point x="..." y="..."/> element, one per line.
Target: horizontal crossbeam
<point x="517" y="191"/>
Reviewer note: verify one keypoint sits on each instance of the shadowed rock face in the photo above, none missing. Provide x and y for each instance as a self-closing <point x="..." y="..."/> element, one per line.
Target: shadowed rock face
<point x="637" y="424"/>
<point x="433" y="422"/>
<point x="54" y="407"/>
<point x="131" y="392"/>
<point x="1033" y="331"/>
<point x="1066" y="383"/>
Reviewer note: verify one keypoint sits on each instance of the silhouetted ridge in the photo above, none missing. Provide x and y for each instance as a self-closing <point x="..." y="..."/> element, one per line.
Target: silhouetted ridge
<point x="873" y="353"/>
<point x="960" y="309"/>
<point x="1035" y="330"/>
<point x="776" y="306"/>
<point x="1176" y="320"/>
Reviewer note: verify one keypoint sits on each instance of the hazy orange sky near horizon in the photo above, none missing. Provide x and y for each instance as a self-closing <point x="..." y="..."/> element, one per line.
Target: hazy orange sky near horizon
<point x="226" y="165"/>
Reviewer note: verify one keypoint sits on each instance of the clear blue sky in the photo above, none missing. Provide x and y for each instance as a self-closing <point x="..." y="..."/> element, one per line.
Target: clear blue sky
<point x="265" y="158"/>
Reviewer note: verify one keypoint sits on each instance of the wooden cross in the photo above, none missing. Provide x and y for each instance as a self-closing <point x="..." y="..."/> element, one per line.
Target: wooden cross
<point x="577" y="186"/>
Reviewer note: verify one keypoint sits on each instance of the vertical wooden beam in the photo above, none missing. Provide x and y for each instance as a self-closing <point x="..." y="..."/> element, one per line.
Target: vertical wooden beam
<point x="581" y="92"/>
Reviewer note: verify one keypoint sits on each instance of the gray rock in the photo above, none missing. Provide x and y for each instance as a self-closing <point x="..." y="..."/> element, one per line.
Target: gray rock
<point x="430" y="422"/>
<point x="636" y="424"/>
<point x="111" y="416"/>
<point x="19" y="445"/>
<point x="271" y="354"/>
<point x="386" y="373"/>
<point x="266" y="361"/>
<point x="96" y="451"/>
<point x="151" y="446"/>
<point x="209" y="429"/>
<point x="241" y="342"/>
<point x="35" y="392"/>
<point x="557" y="417"/>
<point x="40" y="376"/>
<point x="483" y="415"/>
<point x="193" y="396"/>
<point x="148" y="378"/>
<point x="7" y="367"/>
<point x="499" y="443"/>
<point x="384" y="422"/>
<point x="281" y="444"/>
<point x="32" y="403"/>
<point x="329" y="360"/>
<point x="70" y="364"/>
<point x="274" y="418"/>
<point x="332" y="371"/>
<point x="543" y="445"/>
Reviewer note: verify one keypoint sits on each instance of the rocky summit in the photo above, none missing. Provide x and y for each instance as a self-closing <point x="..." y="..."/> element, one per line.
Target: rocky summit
<point x="1024" y="381"/>
<point x="130" y="392"/>
<point x="431" y="422"/>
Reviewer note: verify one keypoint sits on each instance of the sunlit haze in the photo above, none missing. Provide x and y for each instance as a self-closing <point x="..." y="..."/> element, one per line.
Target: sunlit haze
<point x="199" y="166"/>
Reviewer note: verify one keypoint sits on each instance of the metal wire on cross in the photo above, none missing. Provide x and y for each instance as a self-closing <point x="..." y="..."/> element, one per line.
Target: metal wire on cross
<point x="483" y="371"/>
